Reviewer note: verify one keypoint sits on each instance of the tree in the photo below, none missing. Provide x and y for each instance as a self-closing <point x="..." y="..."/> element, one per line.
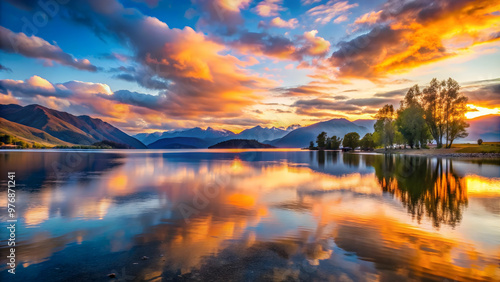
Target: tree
<point x="321" y="140"/>
<point x="351" y="139"/>
<point x="328" y="143"/>
<point x="311" y="145"/>
<point x="367" y="142"/>
<point x="455" y="109"/>
<point x="399" y="138"/>
<point x="385" y="125"/>
<point x="444" y="111"/>
<point x="410" y="121"/>
<point x="335" y="142"/>
<point x="479" y="141"/>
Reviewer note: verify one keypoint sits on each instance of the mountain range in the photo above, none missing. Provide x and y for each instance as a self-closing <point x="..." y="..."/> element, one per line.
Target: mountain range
<point x="301" y="137"/>
<point x="33" y="122"/>
<point x="259" y="133"/>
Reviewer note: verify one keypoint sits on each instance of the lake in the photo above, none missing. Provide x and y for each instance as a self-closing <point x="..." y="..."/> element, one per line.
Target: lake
<point x="237" y="215"/>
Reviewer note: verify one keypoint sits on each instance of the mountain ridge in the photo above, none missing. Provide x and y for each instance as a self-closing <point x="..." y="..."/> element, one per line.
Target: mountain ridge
<point x="81" y="130"/>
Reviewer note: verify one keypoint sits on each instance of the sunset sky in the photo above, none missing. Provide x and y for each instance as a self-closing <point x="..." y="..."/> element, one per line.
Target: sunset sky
<point x="157" y="65"/>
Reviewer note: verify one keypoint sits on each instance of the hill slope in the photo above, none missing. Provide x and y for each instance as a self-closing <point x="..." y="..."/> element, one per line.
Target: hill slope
<point x="300" y="138"/>
<point x="29" y="134"/>
<point x="82" y="130"/>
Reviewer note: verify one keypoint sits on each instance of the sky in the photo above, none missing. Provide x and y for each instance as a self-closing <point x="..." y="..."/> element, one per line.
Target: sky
<point x="158" y="65"/>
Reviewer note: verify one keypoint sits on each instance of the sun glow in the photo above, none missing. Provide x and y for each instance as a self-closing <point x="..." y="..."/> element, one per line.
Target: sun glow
<point x="480" y="111"/>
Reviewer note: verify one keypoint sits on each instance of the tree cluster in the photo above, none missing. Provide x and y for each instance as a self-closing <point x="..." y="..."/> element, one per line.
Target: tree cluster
<point x="350" y="140"/>
<point x="437" y="112"/>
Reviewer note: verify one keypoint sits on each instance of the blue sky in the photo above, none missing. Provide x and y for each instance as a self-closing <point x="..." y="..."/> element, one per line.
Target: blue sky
<point x="160" y="65"/>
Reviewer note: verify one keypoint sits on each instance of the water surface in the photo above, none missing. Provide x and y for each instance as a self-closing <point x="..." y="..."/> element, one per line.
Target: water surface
<point x="233" y="215"/>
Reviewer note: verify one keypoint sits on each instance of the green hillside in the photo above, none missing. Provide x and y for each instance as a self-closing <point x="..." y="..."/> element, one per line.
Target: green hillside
<point x="28" y="134"/>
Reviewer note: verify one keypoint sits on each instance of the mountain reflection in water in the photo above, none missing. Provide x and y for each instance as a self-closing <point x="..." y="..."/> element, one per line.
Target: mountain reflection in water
<point x="252" y="215"/>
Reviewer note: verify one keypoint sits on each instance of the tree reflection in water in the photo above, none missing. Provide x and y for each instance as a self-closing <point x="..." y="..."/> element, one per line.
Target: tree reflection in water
<point x="425" y="186"/>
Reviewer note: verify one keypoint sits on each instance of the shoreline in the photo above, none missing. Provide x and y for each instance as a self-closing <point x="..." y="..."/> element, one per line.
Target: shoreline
<point x="448" y="153"/>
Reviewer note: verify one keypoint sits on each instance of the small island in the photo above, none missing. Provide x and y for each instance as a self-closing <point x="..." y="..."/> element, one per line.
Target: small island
<point x="241" y="144"/>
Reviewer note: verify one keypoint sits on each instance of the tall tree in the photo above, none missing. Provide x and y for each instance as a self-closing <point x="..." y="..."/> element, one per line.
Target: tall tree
<point x="410" y="121"/>
<point x="311" y="145"/>
<point x="455" y="109"/>
<point x="385" y="126"/>
<point x="367" y="142"/>
<point x="432" y="103"/>
<point x="351" y="139"/>
<point x="444" y="111"/>
<point x="321" y="140"/>
<point x="335" y="142"/>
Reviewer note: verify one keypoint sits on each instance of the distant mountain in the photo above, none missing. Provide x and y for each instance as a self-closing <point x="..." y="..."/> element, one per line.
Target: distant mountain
<point x="81" y="130"/>
<point x="261" y="134"/>
<point x="29" y="134"/>
<point x="301" y="137"/>
<point x="368" y="123"/>
<point x="179" y="143"/>
<point x="240" y="144"/>
<point x="196" y="132"/>
<point x="484" y="127"/>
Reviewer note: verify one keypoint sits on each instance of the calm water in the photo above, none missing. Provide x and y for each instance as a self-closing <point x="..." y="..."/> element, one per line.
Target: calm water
<point x="251" y="215"/>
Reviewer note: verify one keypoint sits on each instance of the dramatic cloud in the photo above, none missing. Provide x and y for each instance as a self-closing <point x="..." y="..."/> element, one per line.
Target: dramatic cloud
<point x="198" y="78"/>
<point x="325" y="104"/>
<point x="325" y="13"/>
<point x="33" y="86"/>
<point x="404" y="35"/>
<point x="328" y="106"/>
<point x="145" y="77"/>
<point x="36" y="47"/>
<point x="483" y="94"/>
<point x="315" y="46"/>
<point x="262" y="43"/>
<point x="269" y="8"/>
<point x="222" y="15"/>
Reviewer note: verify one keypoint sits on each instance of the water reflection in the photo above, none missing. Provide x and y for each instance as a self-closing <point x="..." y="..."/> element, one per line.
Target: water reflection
<point x="238" y="215"/>
<point x="425" y="186"/>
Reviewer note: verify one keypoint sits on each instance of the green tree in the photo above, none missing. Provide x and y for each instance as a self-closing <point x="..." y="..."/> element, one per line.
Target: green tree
<point x="385" y="125"/>
<point x="321" y="140"/>
<point x="444" y="111"/>
<point x="328" y="143"/>
<point x="335" y="142"/>
<point x="351" y="139"/>
<point x="455" y="109"/>
<point x="311" y="145"/>
<point x="479" y="141"/>
<point x="367" y="142"/>
<point x="410" y="121"/>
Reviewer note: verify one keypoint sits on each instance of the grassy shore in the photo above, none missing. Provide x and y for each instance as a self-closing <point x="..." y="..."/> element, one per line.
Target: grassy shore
<point x="487" y="149"/>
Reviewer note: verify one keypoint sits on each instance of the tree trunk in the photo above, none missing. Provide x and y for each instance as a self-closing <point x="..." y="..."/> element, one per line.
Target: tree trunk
<point x="451" y="141"/>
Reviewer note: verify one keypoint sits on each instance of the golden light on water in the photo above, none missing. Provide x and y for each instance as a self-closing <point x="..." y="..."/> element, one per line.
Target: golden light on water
<point x="479" y="186"/>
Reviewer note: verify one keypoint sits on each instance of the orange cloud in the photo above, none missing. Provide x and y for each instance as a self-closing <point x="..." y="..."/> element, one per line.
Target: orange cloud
<point x="279" y="22"/>
<point x="415" y="35"/>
